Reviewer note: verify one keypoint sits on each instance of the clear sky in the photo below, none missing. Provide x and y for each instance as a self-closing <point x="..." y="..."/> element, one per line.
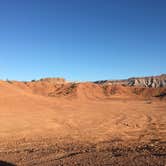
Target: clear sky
<point x="82" y="39"/>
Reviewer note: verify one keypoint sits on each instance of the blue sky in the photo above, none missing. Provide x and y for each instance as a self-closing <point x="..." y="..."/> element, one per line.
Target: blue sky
<point x="82" y="39"/>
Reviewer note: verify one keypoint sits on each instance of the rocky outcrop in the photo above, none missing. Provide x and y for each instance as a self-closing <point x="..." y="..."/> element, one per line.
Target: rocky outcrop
<point x="154" y="82"/>
<point x="151" y="82"/>
<point x="53" y="80"/>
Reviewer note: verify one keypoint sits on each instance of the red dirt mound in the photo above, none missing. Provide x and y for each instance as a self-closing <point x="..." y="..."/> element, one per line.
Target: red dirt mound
<point x="88" y="90"/>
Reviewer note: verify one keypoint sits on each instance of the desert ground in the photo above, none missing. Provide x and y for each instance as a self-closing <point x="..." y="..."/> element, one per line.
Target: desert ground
<point x="43" y="124"/>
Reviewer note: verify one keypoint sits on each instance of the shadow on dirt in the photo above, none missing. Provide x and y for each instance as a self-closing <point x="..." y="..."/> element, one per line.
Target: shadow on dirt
<point x="3" y="163"/>
<point x="161" y="94"/>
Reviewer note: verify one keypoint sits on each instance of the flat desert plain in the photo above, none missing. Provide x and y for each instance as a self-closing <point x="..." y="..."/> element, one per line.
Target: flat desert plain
<point x="43" y="125"/>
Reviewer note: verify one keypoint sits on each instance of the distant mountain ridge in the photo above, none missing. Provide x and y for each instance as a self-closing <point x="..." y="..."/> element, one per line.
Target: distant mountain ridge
<point x="150" y="82"/>
<point x="143" y="88"/>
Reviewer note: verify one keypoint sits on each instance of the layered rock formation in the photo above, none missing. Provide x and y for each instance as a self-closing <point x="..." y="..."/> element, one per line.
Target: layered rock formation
<point x="151" y="82"/>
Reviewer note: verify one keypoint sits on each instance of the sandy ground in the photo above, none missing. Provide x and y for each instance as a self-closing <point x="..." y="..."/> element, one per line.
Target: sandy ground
<point x="50" y="131"/>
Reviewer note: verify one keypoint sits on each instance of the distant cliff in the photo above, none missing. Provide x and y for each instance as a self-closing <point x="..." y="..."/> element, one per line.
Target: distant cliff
<point x="152" y="81"/>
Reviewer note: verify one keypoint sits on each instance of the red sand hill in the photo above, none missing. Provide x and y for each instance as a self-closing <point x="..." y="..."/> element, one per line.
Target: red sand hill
<point x="56" y="87"/>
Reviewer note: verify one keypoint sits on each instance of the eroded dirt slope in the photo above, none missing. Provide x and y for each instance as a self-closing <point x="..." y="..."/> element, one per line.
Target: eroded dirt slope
<point x="43" y="123"/>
